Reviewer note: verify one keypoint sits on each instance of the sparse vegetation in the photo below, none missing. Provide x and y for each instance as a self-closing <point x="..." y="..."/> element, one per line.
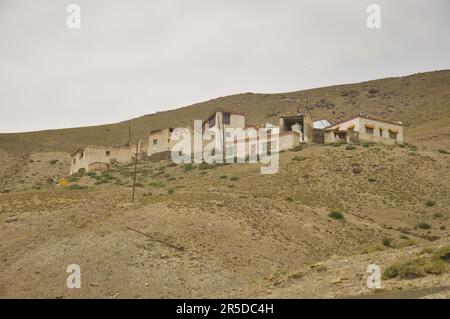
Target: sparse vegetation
<point x="429" y="203"/>
<point x="423" y="225"/>
<point x="372" y="179"/>
<point x="350" y="147"/>
<point x="289" y="199"/>
<point x="336" y="215"/>
<point x="234" y="178"/>
<point x="297" y="148"/>
<point x="387" y="241"/>
<point x="444" y="152"/>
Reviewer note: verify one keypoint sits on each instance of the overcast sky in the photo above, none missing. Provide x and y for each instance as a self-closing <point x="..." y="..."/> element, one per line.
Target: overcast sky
<point x="135" y="57"/>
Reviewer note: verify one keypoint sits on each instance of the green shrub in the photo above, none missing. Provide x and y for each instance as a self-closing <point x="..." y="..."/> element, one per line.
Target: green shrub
<point x="298" y="158"/>
<point x="372" y="179"/>
<point x="437" y="215"/>
<point x="297" y="148"/>
<point x="423" y="225"/>
<point x="429" y="203"/>
<point x="73" y="179"/>
<point x="336" y="215"/>
<point x="171" y="191"/>
<point x="409" y="269"/>
<point x="289" y="199"/>
<point x="223" y="176"/>
<point x="443" y="253"/>
<point x="387" y="242"/>
<point x="444" y="152"/>
<point x="234" y="178"/>
<point x="188" y="167"/>
<point x="157" y="184"/>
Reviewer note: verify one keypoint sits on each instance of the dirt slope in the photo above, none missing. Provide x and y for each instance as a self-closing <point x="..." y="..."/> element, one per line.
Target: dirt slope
<point x="240" y="230"/>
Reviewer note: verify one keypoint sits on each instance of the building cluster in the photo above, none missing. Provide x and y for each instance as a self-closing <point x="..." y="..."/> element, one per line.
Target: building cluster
<point x="294" y="130"/>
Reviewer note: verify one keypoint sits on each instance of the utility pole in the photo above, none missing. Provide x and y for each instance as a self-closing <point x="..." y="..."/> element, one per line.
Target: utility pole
<point x="135" y="169"/>
<point x="129" y="132"/>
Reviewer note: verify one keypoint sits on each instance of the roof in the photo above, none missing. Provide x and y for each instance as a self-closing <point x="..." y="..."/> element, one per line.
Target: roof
<point x="365" y="117"/>
<point x="97" y="146"/>
<point x="160" y="129"/>
<point x="321" y="124"/>
<point x="220" y="110"/>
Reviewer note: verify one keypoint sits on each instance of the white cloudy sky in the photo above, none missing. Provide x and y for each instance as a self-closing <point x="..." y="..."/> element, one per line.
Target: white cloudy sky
<point x="135" y="57"/>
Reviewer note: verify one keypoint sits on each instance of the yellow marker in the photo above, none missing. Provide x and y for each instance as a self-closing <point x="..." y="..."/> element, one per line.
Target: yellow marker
<point x="63" y="182"/>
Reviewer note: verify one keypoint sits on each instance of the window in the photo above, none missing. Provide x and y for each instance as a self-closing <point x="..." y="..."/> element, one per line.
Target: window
<point x="155" y="141"/>
<point x="226" y="118"/>
<point x="74" y="160"/>
<point x="369" y="130"/>
<point x="392" y="135"/>
<point x="381" y="132"/>
<point x="228" y="134"/>
<point x="81" y="155"/>
<point x="212" y="121"/>
<point x="107" y="153"/>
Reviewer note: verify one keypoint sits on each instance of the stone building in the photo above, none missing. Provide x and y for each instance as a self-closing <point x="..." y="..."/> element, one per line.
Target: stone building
<point x="365" y="128"/>
<point x="98" y="158"/>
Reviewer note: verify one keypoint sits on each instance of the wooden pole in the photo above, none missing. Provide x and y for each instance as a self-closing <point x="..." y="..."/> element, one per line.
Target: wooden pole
<point x="135" y="169"/>
<point x="129" y="132"/>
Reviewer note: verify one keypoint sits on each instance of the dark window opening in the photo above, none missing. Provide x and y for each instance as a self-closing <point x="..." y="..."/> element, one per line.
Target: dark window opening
<point x="155" y="141"/>
<point x="226" y="118"/>
<point x="392" y="135"/>
<point x="107" y="153"/>
<point x="369" y="130"/>
<point x="212" y="121"/>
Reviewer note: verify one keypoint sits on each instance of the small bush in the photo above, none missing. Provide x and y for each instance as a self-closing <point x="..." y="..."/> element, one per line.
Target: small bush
<point x="298" y="158"/>
<point x="429" y="203"/>
<point x="90" y="174"/>
<point x="350" y="147"/>
<point x="234" y="178"/>
<point x="289" y="199"/>
<point x="171" y="191"/>
<point x="357" y="169"/>
<point x="423" y="225"/>
<point x="437" y="215"/>
<point x="368" y="144"/>
<point x="223" y="176"/>
<point x="157" y="184"/>
<point x="188" y="167"/>
<point x="336" y="215"/>
<point x="372" y="179"/>
<point x="444" y="152"/>
<point x="410" y="269"/>
<point x="172" y="164"/>
<point x="443" y="253"/>
<point x="387" y="242"/>
<point x="297" y="148"/>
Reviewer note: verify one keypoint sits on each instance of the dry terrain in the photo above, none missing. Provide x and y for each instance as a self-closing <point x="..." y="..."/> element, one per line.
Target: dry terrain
<point x="308" y="231"/>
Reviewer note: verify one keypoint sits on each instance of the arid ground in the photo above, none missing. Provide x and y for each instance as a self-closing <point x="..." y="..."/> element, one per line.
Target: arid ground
<point x="308" y="231"/>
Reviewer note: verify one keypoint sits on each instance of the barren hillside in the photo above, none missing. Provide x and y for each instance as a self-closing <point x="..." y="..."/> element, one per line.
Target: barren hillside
<point x="421" y="101"/>
<point x="310" y="230"/>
